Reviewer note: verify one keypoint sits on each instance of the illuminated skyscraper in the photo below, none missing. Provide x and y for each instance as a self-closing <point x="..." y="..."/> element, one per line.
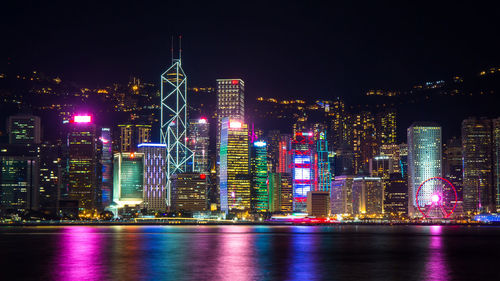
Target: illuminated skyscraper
<point x="155" y="180"/>
<point x="82" y="163"/>
<point x="496" y="161"/>
<point x="173" y="124"/>
<point x="396" y="196"/>
<point x="189" y="192"/>
<point x="234" y="177"/>
<point x="260" y="192"/>
<point x="478" y="194"/>
<point x="128" y="179"/>
<point x="367" y="196"/>
<point x="322" y="164"/>
<point x="386" y="127"/>
<point x="453" y="168"/>
<point x="19" y="180"/>
<point x="50" y="176"/>
<point x="24" y="129"/>
<point x="284" y="157"/>
<point x="303" y="169"/>
<point x="338" y="127"/>
<point x="131" y="135"/>
<point x="393" y="152"/>
<point x="107" y="167"/>
<point x="341" y="195"/>
<point x="198" y="142"/>
<point x="364" y="142"/>
<point x="230" y="102"/>
<point x="424" y="161"/>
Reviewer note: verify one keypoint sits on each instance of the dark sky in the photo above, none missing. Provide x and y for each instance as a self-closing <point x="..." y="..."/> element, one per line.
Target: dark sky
<point x="285" y="48"/>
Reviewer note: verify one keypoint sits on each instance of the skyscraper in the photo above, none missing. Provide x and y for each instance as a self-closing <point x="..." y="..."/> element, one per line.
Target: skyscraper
<point x="303" y="169"/>
<point x="155" y="181"/>
<point x="82" y="163"/>
<point x="128" y="179"/>
<point x="323" y="163"/>
<point x="198" y="142"/>
<point x="341" y="195"/>
<point x="234" y="175"/>
<point x="230" y="102"/>
<point x="107" y="167"/>
<point x="424" y="161"/>
<point x="24" y="129"/>
<point x="496" y="161"/>
<point x="367" y="196"/>
<point x="189" y="192"/>
<point x="132" y="134"/>
<point x="478" y="193"/>
<point x="260" y="192"/>
<point x="396" y="196"/>
<point x="19" y="180"/>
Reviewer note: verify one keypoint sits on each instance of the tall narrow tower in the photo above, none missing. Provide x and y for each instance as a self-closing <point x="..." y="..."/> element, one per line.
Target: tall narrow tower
<point x="174" y="120"/>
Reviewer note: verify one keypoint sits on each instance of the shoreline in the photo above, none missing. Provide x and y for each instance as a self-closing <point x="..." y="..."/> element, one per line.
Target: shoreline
<point x="242" y="223"/>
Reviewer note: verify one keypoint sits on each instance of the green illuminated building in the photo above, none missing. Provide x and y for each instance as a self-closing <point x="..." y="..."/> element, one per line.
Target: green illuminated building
<point x="260" y="193"/>
<point x="128" y="179"/>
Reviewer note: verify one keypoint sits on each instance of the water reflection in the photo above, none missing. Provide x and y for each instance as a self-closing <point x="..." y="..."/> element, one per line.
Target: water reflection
<point x="79" y="254"/>
<point x="304" y="245"/>
<point x="235" y="254"/>
<point x="436" y="267"/>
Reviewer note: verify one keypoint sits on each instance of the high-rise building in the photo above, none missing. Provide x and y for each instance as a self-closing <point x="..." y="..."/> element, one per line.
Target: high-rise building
<point x="132" y="135"/>
<point x="341" y="195"/>
<point x="234" y="175"/>
<point x="381" y="166"/>
<point x="128" y="179"/>
<point x="230" y="102"/>
<point x="368" y="196"/>
<point x="260" y="192"/>
<point x="453" y="167"/>
<point x="403" y="159"/>
<point x="393" y="151"/>
<point x="478" y="193"/>
<point x="318" y="203"/>
<point x="19" y="182"/>
<point x="107" y="167"/>
<point x="273" y="150"/>
<point x="364" y="141"/>
<point x="396" y="196"/>
<point x="386" y="127"/>
<point x="198" y="142"/>
<point x="24" y="129"/>
<point x="496" y="161"/>
<point x="155" y="180"/>
<point x="424" y="161"/>
<point x="50" y="176"/>
<point x="323" y="163"/>
<point x="303" y="169"/>
<point x="338" y="126"/>
<point x="82" y="163"/>
<point x="189" y="192"/>
<point x="284" y="157"/>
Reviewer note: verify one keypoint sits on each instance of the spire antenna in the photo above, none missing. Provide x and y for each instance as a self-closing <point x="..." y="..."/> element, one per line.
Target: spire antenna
<point x="172" y="48"/>
<point x="180" y="47"/>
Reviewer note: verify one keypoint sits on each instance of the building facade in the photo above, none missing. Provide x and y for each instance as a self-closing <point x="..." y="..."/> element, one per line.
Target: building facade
<point x="424" y="161"/>
<point x="155" y="180"/>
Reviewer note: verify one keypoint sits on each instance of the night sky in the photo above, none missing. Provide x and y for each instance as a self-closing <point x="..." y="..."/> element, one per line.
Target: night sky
<point x="284" y="49"/>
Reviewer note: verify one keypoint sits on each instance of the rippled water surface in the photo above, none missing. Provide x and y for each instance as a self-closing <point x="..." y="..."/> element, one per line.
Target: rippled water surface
<point x="250" y="253"/>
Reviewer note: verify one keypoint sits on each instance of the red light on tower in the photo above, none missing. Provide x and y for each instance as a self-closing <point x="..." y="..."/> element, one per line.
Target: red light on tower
<point x="203" y="176"/>
<point x="234" y="82"/>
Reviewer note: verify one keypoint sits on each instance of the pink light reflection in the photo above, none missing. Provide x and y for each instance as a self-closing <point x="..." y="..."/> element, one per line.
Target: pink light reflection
<point x="79" y="254"/>
<point x="436" y="267"/>
<point x="236" y="256"/>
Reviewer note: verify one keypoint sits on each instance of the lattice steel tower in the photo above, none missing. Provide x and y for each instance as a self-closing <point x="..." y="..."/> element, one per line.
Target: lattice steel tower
<point x="174" y="120"/>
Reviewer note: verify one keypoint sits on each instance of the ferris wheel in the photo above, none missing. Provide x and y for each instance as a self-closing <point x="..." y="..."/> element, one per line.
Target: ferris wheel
<point x="436" y="198"/>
